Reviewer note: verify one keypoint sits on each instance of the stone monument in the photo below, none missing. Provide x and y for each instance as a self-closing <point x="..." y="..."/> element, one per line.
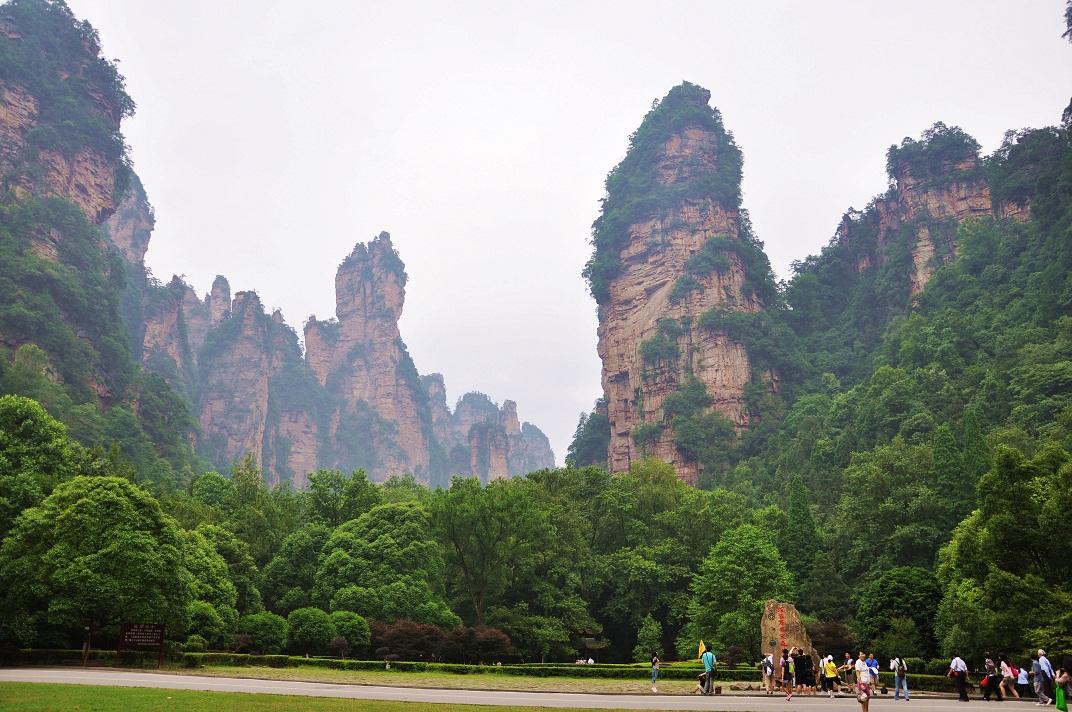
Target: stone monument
<point x="782" y="627"/>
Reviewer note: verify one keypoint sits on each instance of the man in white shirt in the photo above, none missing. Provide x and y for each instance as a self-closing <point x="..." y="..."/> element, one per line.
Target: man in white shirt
<point x="863" y="681"/>
<point x="1047" y="674"/>
<point x="958" y="670"/>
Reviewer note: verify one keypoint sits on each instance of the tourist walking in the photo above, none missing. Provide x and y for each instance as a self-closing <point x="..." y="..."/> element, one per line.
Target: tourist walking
<point x="1009" y="674"/>
<point x="863" y="682"/>
<point x="654" y="671"/>
<point x="900" y="677"/>
<point x="991" y="683"/>
<point x="787" y="670"/>
<point x="1063" y="684"/>
<point x="1047" y="674"/>
<point x="1038" y="677"/>
<point x="958" y="671"/>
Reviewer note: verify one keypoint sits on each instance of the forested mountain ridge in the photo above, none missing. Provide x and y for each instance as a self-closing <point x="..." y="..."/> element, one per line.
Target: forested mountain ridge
<point x="64" y="171"/>
<point x="84" y="313"/>
<point x="922" y="359"/>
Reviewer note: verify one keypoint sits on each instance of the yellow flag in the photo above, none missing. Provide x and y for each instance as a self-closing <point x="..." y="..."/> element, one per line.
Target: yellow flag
<point x="699" y="653"/>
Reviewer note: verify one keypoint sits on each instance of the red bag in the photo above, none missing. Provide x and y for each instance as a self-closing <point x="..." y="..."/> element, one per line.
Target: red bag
<point x="984" y="682"/>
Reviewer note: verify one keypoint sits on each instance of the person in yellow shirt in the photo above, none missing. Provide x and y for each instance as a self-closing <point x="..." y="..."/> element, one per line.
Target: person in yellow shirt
<point x="830" y="671"/>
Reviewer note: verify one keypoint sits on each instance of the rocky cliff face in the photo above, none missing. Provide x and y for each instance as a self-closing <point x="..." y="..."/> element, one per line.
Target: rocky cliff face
<point x="483" y="440"/>
<point x="353" y="400"/>
<point x="937" y="183"/>
<point x="360" y="358"/>
<point x="685" y="252"/>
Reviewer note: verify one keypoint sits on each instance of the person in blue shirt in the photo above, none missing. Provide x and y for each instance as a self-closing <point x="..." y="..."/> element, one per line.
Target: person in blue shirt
<point x="1047" y="674"/>
<point x="872" y="664"/>
<point x="708" y="660"/>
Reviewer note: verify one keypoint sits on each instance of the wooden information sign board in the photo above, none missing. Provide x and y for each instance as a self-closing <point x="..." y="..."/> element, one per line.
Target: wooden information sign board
<point x="141" y="635"/>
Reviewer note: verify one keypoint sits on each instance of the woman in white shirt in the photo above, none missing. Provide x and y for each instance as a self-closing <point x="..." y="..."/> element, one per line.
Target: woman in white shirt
<point x="863" y="682"/>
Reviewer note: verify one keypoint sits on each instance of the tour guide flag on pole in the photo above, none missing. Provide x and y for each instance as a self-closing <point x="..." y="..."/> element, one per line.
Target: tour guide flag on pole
<point x="699" y="653"/>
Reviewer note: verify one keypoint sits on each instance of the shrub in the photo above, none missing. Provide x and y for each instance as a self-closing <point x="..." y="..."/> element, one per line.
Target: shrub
<point x="309" y="631"/>
<point x="354" y="629"/>
<point x="267" y="632"/>
<point x="195" y="644"/>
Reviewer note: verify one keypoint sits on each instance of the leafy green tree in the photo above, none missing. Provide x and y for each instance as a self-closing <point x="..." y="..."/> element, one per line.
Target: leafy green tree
<point x="1005" y="574"/>
<point x="309" y="631"/>
<point x="801" y="535"/>
<point x="354" y="628"/>
<point x="210" y="583"/>
<point x="900" y="638"/>
<point x="288" y="579"/>
<point x="743" y="570"/>
<point x="35" y="456"/>
<point x="591" y="438"/>
<point x="649" y="640"/>
<point x="267" y="632"/>
<point x="96" y="552"/>
<point x="902" y="592"/>
<point x="387" y="562"/>
<point x="824" y="593"/>
<point x="241" y="568"/>
<point x="334" y="498"/>
<point x="891" y="512"/>
<point x="205" y="622"/>
<point x="215" y="490"/>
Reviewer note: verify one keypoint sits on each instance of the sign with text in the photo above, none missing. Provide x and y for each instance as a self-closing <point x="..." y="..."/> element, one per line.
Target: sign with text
<point x="141" y="635"/>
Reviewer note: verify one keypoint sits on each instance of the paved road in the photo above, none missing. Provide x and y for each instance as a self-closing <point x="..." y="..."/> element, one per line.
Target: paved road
<point x="752" y="703"/>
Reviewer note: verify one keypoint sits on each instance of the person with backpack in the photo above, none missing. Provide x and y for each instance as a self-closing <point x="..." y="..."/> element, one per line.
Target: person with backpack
<point x="990" y="684"/>
<point x="767" y="668"/>
<point x="900" y="677"/>
<point x="1009" y="673"/>
<point x="788" y="672"/>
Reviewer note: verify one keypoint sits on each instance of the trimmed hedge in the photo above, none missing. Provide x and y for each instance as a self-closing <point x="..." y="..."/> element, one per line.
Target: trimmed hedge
<point x="131" y="658"/>
<point x="194" y="660"/>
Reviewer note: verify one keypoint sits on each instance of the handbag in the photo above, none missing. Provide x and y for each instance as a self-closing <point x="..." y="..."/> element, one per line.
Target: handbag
<point x="1059" y="699"/>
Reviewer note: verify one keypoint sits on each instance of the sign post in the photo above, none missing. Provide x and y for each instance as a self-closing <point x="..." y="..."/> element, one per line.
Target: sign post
<point x="141" y="635"/>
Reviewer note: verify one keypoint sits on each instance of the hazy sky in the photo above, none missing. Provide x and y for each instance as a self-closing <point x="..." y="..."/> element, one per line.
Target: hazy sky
<point x="272" y="136"/>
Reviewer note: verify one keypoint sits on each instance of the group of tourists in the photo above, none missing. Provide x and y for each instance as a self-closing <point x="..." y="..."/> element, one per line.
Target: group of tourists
<point x="1050" y="686"/>
<point x="794" y="673"/>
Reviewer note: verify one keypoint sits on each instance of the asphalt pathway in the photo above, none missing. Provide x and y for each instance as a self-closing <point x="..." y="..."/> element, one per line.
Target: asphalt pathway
<point x="752" y="703"/>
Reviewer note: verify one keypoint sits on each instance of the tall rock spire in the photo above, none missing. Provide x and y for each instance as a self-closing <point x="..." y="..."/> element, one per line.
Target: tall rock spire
<point x="673" y="253"/>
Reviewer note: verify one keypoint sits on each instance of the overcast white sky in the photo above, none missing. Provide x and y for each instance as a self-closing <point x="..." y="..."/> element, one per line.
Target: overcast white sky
<point x="272" y="136"/>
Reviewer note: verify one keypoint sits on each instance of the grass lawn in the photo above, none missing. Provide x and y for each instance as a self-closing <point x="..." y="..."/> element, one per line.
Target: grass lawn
<point x="39" y="697"/>
<point x="446" y="680"/>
